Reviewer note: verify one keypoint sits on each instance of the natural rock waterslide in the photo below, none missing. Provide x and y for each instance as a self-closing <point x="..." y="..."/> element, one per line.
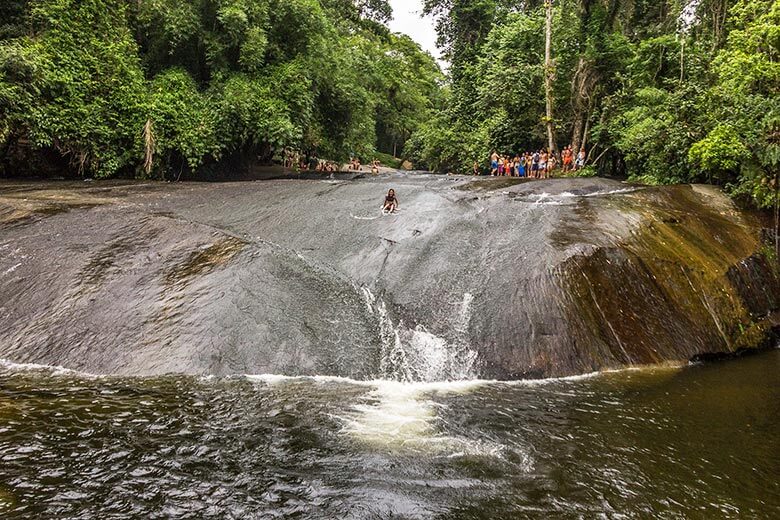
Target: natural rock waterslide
<point x="487" y="278"/>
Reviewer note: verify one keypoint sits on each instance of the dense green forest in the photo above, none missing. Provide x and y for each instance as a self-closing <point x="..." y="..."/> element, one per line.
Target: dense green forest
<point x="657" y="90"/>
<point x="154" y="87"/>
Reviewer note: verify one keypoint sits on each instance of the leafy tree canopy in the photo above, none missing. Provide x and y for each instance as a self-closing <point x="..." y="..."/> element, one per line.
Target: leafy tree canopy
<point x="154" y="87"/>
<point x="661" y="91"/>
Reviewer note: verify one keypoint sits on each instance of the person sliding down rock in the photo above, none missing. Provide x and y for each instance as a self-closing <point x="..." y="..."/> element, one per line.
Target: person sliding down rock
<point x="391" y="202"/>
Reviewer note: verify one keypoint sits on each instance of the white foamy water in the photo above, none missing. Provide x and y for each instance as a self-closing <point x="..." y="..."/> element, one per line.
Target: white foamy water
<point x="402" y="416"/>
<point x="399" y="411"/>
<point x="416" y="354"/>
<point x="50" y="370"/>
<point x="618" y="191"/>
<point x="12" y="269"/>
<point x="566" y="196"/>
<point x="545" y="199"/>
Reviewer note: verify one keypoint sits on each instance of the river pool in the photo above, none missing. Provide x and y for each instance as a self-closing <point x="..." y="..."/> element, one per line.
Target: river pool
<point x="699" y="441"/>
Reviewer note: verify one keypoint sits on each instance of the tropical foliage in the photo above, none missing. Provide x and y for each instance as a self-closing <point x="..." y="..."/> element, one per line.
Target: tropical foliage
<point x="154" y="87"/>
<point x="659" y="90"/>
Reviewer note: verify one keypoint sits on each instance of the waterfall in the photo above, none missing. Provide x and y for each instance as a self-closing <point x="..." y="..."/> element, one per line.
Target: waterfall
<point x="416" y="354"/>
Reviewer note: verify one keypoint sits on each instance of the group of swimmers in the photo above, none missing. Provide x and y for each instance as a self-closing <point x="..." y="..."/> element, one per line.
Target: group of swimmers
<point x="326" y="166"/>
<point x="354" y="165"/>
<point x="294" y="160"/>
<point x="535" y="165"/>
<point x="317" y="165"/>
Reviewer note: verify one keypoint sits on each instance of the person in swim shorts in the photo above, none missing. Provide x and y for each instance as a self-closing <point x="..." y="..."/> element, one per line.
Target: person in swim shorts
<point x="568" y="157"/>
<point x="580" y="162"/>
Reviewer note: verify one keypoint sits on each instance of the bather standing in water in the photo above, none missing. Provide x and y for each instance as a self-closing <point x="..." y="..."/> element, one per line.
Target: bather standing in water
<point x="391" y="202"/>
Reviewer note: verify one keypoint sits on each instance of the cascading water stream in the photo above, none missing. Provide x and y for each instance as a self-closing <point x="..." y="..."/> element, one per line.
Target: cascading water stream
<point x="414" y="363"/>
<point x="417" y="355"/>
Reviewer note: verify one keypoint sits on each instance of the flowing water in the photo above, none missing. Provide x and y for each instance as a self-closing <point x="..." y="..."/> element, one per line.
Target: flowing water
<point x="383" y="334"/>
<point x="698" y="441"/>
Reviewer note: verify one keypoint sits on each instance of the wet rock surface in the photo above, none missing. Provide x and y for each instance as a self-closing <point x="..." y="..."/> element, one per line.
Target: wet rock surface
<point x="487" y="278"/>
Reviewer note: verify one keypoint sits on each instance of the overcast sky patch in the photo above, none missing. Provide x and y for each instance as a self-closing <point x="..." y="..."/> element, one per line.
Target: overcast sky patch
<point x="408" y="19"/>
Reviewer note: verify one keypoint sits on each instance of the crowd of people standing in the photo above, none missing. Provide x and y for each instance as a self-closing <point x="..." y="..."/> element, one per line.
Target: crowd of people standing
<point x="536" y="165"/>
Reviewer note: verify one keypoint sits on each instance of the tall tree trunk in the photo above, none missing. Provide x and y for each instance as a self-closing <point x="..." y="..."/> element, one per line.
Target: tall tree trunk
<point x="584" y="140"/>
<point x="719" y="10"/>
<point x="150" y="145"/>
<point x="584" y="88"/>
<point x="576" y="131"/>
<point x="580" y="90"/>
<point x="549" y="75"/>
<point x="777" y="218"/>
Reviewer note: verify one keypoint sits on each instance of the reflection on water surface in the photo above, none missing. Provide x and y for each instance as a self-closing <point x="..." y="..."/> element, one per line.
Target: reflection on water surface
<point x="700" y="441"/>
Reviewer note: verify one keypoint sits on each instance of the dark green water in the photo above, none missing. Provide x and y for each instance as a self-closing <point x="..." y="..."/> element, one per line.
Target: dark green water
<point x="698" y="442"/>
